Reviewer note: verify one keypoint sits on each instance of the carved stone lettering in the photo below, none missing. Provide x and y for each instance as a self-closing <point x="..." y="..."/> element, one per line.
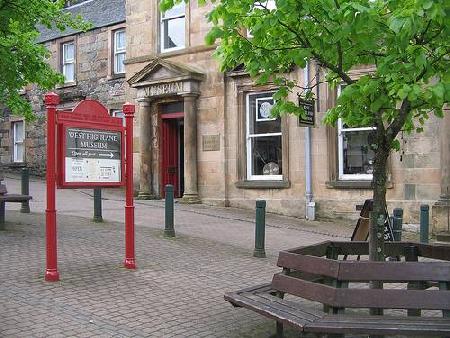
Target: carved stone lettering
<point x="164" y="89"/>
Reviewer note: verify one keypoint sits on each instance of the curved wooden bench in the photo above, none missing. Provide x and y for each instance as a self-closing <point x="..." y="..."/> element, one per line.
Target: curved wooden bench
<point x="314" y="274"/>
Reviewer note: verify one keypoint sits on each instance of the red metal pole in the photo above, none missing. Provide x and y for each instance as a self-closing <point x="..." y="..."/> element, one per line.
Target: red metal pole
<point x="51" y="272"/>
<point x="130" y="261"/>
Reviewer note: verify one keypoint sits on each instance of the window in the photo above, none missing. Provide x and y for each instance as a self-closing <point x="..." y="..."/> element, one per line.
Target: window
<point x="119" y="51"/>
<point x="355" y="156"/>
<point x="18" y="132"/>
<point x="263" y="138"/>
<point x="173" y="28"/>
<point x="68" y="61"/>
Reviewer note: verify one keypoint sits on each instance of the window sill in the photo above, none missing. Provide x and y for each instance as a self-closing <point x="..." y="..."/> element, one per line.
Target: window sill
<point x="16" y="165"/>
<point x="349" y="184"/>
<point x="262" y="184"/>
<point x="66" y="85"/>
<point x="174" y="51"/>
<point x="116" y="76"/>
<point x="185" y="50"/>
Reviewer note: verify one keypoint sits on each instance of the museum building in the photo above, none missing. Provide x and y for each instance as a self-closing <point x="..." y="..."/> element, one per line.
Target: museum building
<point x="210" y="134"/>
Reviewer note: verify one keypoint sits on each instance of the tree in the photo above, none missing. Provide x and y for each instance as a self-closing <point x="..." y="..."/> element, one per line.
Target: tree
<point x="23" y="60"/>
<point x="407" y="40"/>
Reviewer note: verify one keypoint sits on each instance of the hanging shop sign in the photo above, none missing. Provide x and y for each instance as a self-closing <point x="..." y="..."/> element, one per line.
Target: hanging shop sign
<point x="307" y="120"/>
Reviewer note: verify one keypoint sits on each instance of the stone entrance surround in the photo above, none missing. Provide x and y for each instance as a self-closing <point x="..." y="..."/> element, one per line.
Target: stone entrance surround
<point x="162" y="81"/>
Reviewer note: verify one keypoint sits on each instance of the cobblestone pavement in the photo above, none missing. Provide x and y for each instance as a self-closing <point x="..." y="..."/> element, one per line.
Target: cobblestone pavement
<point x="224" y="225"/>
<point x="177" y="290"/>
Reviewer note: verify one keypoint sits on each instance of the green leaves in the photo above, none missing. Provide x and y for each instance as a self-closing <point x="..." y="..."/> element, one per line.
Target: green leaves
<point x="214" y="34"/>
<point x="23" y="60"/>
<point x="427" y="4"/>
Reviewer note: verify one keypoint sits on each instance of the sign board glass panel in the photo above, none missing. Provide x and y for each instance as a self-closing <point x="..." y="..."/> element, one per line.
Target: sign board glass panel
<point x="92" y="155"/>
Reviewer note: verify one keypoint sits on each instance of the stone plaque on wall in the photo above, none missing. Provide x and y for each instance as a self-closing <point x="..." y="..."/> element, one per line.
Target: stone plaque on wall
<point x="211" y="142"/>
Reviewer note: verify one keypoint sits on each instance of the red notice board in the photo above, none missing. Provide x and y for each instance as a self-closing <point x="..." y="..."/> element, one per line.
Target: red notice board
<point x="91" y="147"/>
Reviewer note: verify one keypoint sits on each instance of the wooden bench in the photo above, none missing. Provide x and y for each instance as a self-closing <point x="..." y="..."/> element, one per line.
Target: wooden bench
<point x="319" y="294"/>
<point x="5" y="197"/>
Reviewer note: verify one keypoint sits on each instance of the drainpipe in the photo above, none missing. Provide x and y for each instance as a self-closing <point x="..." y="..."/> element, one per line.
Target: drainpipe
<point x="310" y="213"/>
<point x="225" y="140"/>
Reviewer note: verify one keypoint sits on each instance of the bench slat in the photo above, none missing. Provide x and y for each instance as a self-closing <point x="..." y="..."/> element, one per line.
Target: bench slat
<point x="14" y="198"/>
<point x="362" y="248"/>
<point x="434" y="251"/>
<point x="266" y="294"/>
<point x="384" y="325"/>
<point x="291" y="307"/>
<point x="309" y="264"/>
<point x="393" y="271"/>
<point x="272" y="307"/>
<point x="363" y="298"/>
<point x="362" y="271"/>
<point x="318" y="249"/>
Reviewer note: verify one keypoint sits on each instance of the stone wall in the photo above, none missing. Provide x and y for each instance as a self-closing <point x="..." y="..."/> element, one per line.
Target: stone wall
<point x="34" y="143"/>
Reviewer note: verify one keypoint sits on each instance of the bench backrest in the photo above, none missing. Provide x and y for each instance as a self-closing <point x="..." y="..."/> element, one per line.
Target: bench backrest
<point x="343" y="284"/>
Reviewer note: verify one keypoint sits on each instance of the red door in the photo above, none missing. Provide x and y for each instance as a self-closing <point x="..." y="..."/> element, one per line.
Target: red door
<point x="170" y="154"/>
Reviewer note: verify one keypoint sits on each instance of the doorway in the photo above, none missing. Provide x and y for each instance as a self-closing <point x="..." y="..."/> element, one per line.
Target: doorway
<point x="172" y="148"/>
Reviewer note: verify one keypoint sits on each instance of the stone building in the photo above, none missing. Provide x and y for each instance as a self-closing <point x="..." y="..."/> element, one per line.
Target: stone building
<point x="92" y="65"/>
<point x="210" y="135"/>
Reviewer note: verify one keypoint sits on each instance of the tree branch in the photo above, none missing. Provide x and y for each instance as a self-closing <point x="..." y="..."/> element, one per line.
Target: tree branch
<point x="308" y="87"/>
<point x="265" y="48"/>
<point x="398" y="123"/>
<point x="340" y="56"/>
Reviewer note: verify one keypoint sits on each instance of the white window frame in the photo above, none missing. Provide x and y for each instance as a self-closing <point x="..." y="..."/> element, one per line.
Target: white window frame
<point x="250" y="137"/>
<point x="68" y="61"/>
<point x="18" y="141"/>
<point x="163" y="18"/>
<point x="118" y="113"/>
<point x="118" y="51"/>
<point x="341" y="131"/>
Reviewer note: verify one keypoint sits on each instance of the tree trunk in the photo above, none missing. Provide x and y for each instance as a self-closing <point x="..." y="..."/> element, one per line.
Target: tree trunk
<point x="378" y="215"/>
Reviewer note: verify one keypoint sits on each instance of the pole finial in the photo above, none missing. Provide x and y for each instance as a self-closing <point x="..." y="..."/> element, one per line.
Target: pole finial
<point x="51" y="99"/>
<point x="128" y="109"/>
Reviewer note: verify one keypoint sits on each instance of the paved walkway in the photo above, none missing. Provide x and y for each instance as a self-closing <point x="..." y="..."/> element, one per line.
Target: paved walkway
<point x="177" y="290"/>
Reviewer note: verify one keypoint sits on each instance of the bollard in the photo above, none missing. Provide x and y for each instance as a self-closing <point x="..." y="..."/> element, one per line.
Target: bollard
<point x="97" y="205"/>
<point x="25" y="182"/>
<point x="260" y="229"/>
<point x="424" y="222"/>
<point x="398" y="224"/>
<point x="169" y="230"/>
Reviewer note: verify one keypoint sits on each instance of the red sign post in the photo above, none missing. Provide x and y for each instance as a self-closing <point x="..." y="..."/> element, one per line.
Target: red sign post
<point x="90" y="153"/>
<point x="51" y="272"/>
<point x="130" y="262"/>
